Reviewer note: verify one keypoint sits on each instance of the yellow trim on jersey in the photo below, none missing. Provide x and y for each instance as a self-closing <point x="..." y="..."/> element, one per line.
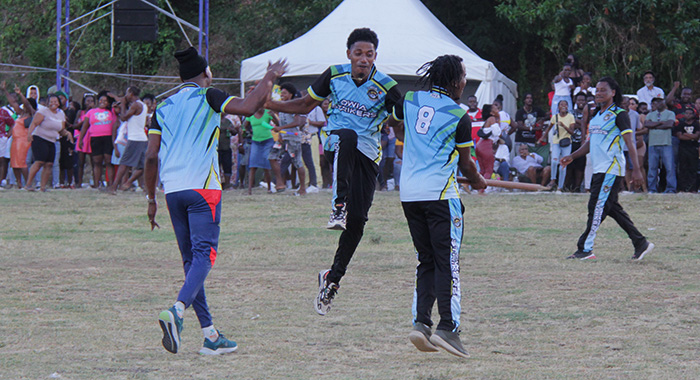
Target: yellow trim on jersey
<point x="393" y="114"/>
<point x="448" y="186"/>
<point x="626" y="131"/>
<point x="313" y="95"/>
<point x="612" y="165"/>
<point x="154" y="132"/>
<point x="465" y="144"/>
<point x="223" y="106"/>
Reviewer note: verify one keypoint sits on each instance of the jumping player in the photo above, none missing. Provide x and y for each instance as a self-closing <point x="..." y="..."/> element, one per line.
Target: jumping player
<point x="437" y="140"/>
<point x="362" y="98"/>
<point x="184" y="135"/>
<point x="609" y="125"/>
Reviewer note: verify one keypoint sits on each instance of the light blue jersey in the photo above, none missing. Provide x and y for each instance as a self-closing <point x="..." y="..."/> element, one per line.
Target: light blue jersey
<point x="434" y="127"/>
<point x="188" y="123"/>
<point x="362" y="108"/>
<point x="606" y="129"/>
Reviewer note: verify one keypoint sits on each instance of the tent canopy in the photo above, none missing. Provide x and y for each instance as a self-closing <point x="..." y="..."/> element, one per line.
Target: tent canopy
<point x="409" y="35"/>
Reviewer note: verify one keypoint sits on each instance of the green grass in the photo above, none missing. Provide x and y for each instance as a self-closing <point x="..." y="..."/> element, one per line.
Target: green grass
<point x="82" y="280"/>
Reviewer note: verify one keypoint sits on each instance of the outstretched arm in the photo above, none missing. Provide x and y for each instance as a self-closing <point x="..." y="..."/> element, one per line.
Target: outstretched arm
<point x="257" y="98"/>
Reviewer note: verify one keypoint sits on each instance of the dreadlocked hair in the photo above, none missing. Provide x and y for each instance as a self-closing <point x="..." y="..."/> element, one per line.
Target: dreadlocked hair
<point x="444" y="71"/>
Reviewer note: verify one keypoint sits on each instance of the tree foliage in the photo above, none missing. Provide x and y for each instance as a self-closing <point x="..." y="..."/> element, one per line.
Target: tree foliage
<point x="622" y="38"/>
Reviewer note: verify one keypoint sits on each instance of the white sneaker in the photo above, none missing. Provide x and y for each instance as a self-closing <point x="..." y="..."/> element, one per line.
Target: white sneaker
<point x="312" y="189"/>
<point x="326" y="292"/>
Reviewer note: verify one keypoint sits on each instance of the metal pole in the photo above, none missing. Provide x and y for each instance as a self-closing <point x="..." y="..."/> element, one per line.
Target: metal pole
<point x="58" y="44"/>
<point x="206" y="28"/>
<point x="66" y="85"/>
<point x="111" y="38"/>
<point x="201" y="22"/>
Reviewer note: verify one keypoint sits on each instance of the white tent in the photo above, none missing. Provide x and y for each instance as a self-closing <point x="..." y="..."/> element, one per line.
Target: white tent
<point x="409" y="35"/>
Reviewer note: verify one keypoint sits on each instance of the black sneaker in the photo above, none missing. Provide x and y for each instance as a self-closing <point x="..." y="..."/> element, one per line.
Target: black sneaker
<point x="640" y="252"/>
<point x="420" y="337"/>
<point x="338" y="218"/>
<point x="580" y="255"/>
<point x="449" y="340"/>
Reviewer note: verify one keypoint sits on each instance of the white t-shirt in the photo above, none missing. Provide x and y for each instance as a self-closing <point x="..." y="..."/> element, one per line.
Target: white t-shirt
<point x="645" y="95"/>
<point x="316" y="114"/>
<point x="522" y="164"/>
<point x="136" y="125"/>
<point x="562" y="88"/>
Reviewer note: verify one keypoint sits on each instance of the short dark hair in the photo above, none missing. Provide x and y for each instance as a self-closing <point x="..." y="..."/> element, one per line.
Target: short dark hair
<point x="444" y="71"/>
<point x="580" y="93"/>
<point x="657" y="100"/>
<point x="134" y="90"/>
<point x="471" y="96"/>
<point x="149" y="96"/>
<point x="290" y="88"/>
<point x="642" y="104"/>
<point x="364" y="35"/>
<point x="649" y="72"/>
<point x="485" y="111"/>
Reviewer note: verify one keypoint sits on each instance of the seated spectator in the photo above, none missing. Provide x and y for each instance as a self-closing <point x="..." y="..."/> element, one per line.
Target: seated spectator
<point x="528" y="121"/>
<point x="529" y="167"/>
<point x="688" y="132"/>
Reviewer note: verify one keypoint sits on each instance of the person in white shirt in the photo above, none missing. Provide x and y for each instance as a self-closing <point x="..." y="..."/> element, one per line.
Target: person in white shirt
<point x="647" y="93"/>
<point x="529" y="165"/>
<point x="562" y="86"/>
<point x="135" y="151"/>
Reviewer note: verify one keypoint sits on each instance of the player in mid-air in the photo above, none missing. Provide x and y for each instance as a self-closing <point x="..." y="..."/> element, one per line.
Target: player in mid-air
<point x="184" y="135"/>
<point x="608" y="128"/>
<point x="436" y="133"/>
<point x="361" y="100"/>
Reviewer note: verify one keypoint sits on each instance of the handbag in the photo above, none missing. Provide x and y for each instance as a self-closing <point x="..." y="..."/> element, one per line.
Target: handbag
<point x="566" y="141"/>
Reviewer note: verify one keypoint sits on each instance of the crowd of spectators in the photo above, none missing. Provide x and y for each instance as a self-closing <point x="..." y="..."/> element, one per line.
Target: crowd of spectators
<point x="45" y="140"/>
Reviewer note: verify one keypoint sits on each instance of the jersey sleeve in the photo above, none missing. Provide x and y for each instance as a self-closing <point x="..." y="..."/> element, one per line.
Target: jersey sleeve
<point x="397" y="113"/>
<point x="623" y="122"/>
<point x="463" y="136"/>
<point x="321" y="88"/>
<point x="154" y="128"/>
<point x="218" y="99"/>
<point x="393" y="98"/>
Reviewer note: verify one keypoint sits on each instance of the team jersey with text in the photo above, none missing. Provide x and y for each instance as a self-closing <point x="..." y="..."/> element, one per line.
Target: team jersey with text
<point x="605" y="133"/>
<point x="188" y="123"/>
<point x="434" y="127"/>
<point x="361" y="108"/>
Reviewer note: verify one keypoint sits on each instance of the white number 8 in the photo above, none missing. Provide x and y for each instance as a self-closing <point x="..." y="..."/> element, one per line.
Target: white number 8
<point x="425" y="117"/>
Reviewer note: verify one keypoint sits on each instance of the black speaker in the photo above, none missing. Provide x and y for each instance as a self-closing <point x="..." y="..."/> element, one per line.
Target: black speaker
<point x="135" y="21"/>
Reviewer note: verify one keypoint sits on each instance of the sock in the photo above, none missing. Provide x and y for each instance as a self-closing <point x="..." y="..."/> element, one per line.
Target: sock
<point x="210" y="333"/>
<point x="179" y="308"/>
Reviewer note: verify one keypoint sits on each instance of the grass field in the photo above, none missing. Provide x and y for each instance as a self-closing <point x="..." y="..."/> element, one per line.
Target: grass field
<point x="82" y="280"/>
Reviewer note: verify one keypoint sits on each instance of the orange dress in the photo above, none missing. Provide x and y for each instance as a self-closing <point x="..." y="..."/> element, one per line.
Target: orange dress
<point x="20" y="145"/>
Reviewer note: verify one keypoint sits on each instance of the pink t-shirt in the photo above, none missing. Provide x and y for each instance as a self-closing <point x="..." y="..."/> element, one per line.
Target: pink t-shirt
<point x="100" y="122"/>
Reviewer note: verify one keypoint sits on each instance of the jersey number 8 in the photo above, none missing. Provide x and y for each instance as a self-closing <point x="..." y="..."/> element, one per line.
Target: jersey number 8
<point x="425" y="117"/>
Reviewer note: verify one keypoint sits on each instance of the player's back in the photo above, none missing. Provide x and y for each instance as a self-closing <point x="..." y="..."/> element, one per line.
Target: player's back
<point x="430" y="156"/>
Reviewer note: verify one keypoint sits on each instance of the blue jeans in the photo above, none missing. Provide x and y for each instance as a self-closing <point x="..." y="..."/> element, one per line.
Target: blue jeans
<point x="559" y="171"/>
<point x="656" y="154"/>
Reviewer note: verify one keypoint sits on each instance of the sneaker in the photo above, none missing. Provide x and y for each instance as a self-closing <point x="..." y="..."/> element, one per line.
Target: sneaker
<point x="338" y="218"/>
<point x="221" y="346"/>
<point x="643" y="250"/>
<point x="420" y="337"/>
<point x="450" y="342"/>
<point x="312" y="189"/>
<point x="582" y="255"/>
<point x="172" y="327"/>
<point x="326" y="292"/>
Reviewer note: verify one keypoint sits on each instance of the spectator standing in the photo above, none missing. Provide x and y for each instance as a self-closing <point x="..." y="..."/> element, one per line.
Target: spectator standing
<point x="48" y="124"/>
<point x="226" y="130"/>
<point x="681" y="104"/>
<point x="133" y="112"/>
<point x="635" y="126"/>
<point x="290" y="142"/>
<point x="326" y="168"/>
<point x="562" y="85"/>
<point x="82" y="148"/>
<point x="576" y="170"/>
<point x="102" y="124"/>
<point x="584" y="86"/>
<point x="649" y="92"/>
<point x="660" y="122"/>
<point x="563" y="124"/>
<point x="577" y="74"/>
<point x="261" y="144"/>
<point x="688" y="132"/>
<point x="315" y="121"/>
<point x="20" y="144"/>
<point x="489" y="135"/>
<point x="472" y="108"/>
<point x="7" y="123"/>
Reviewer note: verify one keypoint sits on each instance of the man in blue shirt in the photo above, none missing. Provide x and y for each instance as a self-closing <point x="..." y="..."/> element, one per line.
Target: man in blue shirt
<point x="183" y="136"/>
<point x="361" y="100"/>
<point x="437" y="140"/>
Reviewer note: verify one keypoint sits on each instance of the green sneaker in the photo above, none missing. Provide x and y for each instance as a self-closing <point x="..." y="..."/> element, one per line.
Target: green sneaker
<point x="221" y="346"/>
<point x="171" y="325"/>
<point x="420" y="337"/>
<point x="449" y="340"/>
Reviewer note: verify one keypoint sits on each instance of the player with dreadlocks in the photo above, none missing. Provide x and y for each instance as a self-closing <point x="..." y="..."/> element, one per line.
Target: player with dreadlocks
<point x="437" y="140"/>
